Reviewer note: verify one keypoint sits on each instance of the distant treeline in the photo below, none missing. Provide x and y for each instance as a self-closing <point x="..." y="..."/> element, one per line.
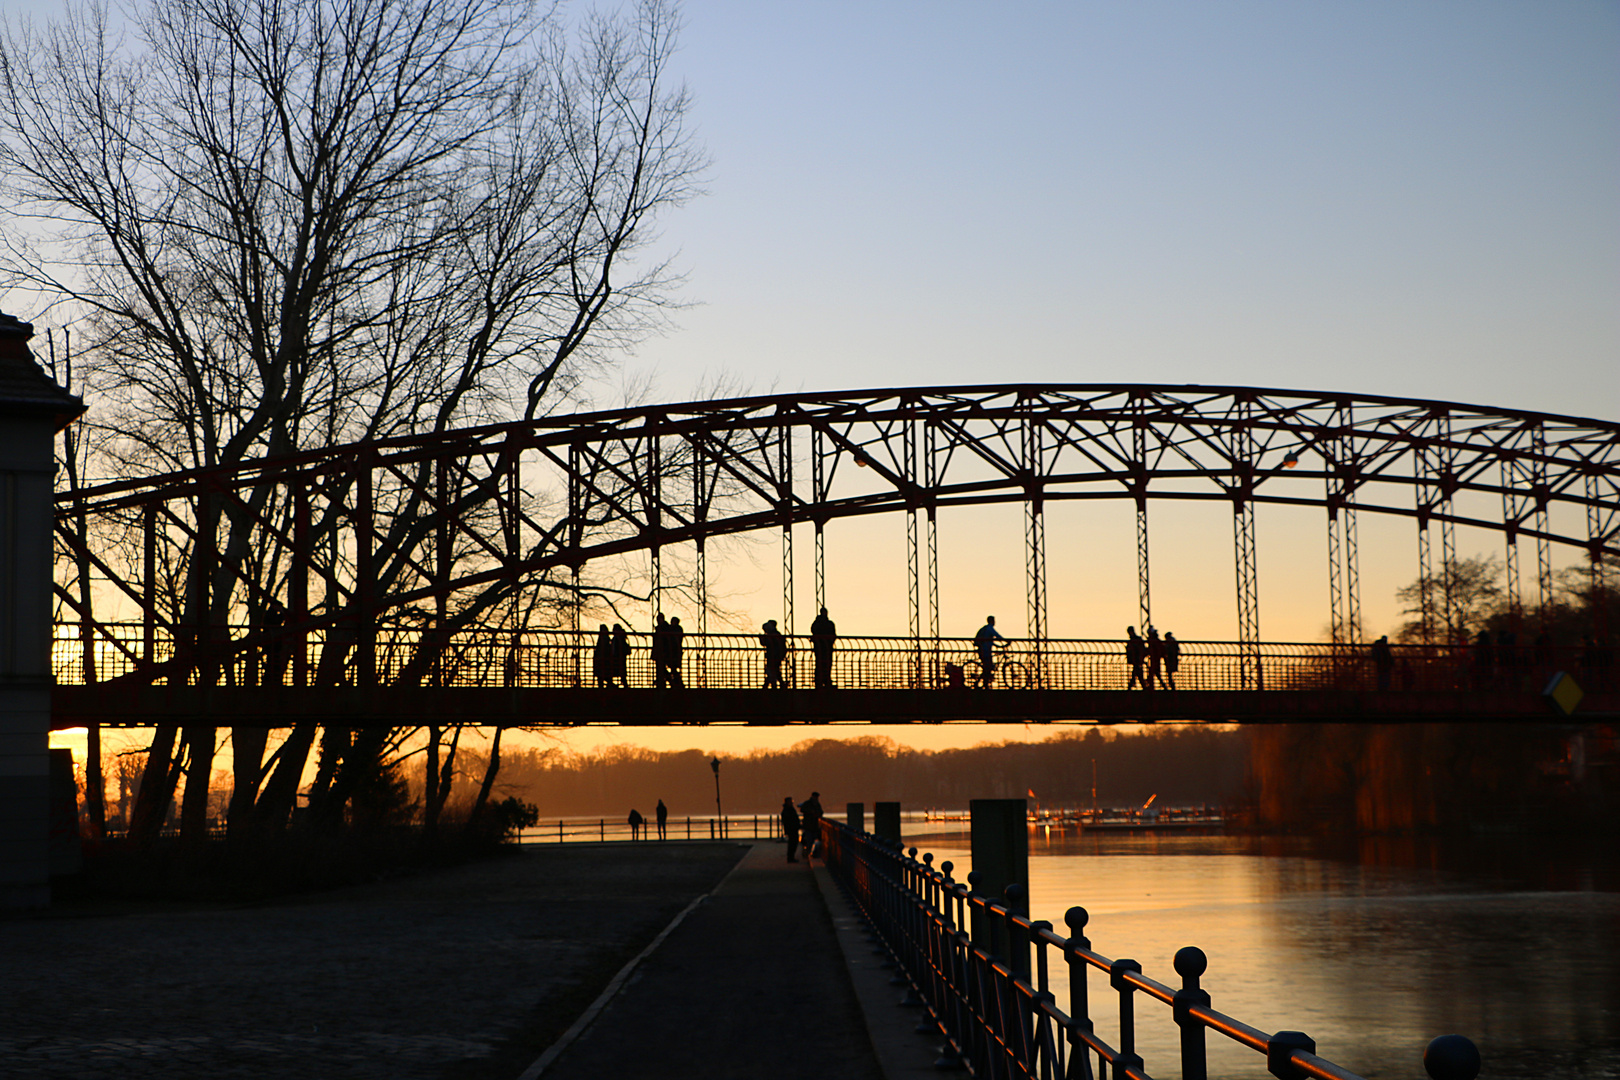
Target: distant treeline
<point x="1182" y="766"/>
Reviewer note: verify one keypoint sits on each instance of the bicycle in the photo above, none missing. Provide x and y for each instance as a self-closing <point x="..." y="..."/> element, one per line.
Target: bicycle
<point x="1007" y="674"/>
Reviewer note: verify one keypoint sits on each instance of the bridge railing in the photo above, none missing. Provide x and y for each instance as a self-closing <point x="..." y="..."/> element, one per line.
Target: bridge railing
<point x="984" y="973"/>
<point x="560" y="659"/>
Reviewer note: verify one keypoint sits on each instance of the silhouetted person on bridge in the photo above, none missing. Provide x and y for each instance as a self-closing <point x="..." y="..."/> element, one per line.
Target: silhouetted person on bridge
<point x="790" y="828"/>
<point x="1135" y="653"/>
<point x="1155" y="656"/>
<point x="663" y="818"/>
<point x="823" y="633"/>
<point x="1383" y="658"/>
<point x="660" y="652"/>
<point x="1172" y="658"/>
<point x="775" y="646"/>
<point x="810" y="810"/>
<point x="602" y="659"/>
<point x="635" y="824"/>
<point x="672" y="657"/>
<point x="985" y="641"/>
<point x="619" y="673"/>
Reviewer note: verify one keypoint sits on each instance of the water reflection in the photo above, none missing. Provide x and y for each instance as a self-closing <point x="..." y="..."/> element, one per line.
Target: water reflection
<point x="1372" y="948"/>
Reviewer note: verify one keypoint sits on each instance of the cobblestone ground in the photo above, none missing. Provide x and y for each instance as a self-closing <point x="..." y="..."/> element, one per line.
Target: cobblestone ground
<point x="453" y="975"/>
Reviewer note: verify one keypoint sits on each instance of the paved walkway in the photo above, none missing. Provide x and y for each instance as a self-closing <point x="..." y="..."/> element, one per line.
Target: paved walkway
<point x="472" y="973"/>
<point x="751" y="983"/>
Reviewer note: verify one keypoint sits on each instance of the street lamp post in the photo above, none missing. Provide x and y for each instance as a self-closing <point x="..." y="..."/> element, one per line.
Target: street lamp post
<point x="715" y="765"/>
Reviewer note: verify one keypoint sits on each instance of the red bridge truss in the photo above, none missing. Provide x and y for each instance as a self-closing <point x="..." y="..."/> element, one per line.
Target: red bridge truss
<point x="374" y="564"/>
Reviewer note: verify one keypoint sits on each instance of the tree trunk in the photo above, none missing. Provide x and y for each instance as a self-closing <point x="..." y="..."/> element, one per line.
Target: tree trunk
<point x="280" y="795"/>
<point x="489" y="782"/>
<point x="156" y="790"/>
<point x="333" y="777"/>
<point x="439" y="779"/>
<point x="199" y="740"/>
<point x="95" y="785"/>
<point x="247" y="766"/>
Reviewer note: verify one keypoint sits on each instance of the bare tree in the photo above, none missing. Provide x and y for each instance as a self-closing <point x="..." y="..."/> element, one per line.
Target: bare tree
<point x="1476" y="595"/>
<point x="286" y="224"/>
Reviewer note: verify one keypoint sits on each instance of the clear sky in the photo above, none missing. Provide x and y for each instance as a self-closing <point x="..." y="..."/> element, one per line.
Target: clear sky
<point x="1406" y="198"/>
<point x="1414" y="199"/>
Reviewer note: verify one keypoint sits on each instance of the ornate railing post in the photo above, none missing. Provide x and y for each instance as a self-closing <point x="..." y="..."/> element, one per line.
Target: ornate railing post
<point x="1079" y="1005"/>
<point x="1190" y="963"/>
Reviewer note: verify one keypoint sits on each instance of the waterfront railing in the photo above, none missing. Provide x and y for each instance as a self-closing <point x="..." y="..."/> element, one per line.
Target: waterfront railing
<point x="574" y="830"/>
<point x="983" y="971"/>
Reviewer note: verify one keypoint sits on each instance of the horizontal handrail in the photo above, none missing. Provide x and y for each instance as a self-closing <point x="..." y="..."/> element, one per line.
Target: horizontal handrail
<point x="244" y="656"/>
<point x="982" y="970"/>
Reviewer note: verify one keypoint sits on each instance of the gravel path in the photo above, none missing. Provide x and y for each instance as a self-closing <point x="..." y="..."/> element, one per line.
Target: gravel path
<point x="453" y="975"/>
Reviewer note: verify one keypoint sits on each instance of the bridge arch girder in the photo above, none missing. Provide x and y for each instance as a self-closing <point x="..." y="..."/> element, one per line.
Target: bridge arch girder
<point x="509" y="502"/>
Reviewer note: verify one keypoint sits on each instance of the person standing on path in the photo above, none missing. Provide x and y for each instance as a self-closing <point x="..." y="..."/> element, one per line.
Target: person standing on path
<point x="663" y="818"/>
<point x="1135" y="653"/>
<point x="635" y="823"/>
<point x="985" y="640"/>
<point x="790" y="828"/>
<point x="823" y="633"/>
<point x="810" y="809"/>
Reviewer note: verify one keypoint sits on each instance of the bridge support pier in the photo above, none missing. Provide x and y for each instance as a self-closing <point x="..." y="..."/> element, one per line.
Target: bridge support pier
<point x="32" y="409"/>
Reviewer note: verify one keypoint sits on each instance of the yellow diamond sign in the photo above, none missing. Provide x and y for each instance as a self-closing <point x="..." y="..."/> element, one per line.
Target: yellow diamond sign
<point x="1563" y="693"/>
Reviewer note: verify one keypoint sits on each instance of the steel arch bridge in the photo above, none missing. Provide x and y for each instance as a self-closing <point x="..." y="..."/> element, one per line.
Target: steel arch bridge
<point x="360" y="566"/>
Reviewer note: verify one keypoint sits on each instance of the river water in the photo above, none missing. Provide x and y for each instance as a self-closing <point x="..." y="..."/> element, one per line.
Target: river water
<point x="1371" y="949"/>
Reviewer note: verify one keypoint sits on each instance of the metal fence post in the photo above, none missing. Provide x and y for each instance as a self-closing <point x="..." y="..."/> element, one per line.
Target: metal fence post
<point x="1190" y="963"/>
<point x="1128" y="1057"/>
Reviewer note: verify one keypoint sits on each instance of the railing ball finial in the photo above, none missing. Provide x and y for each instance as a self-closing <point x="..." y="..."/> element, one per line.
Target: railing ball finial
<point x="1451" y="1057"/>
<point x="928" y="857"/>
<point x="946" y="867"/>
<point x="1075" y="919"/>
<point x="1190" y="964"/>
<point x="912" y="852"/>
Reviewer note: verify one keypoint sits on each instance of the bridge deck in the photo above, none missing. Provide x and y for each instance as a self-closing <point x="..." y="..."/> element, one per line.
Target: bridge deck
<point x="281" y="706"/>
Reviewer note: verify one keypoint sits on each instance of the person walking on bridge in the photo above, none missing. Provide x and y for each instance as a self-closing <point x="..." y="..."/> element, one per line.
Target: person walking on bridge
<point x="775" y="646"/>
<point x="1383" y="658"/>
<point x="660" y="652"/>
<point x="672" y="653"/>
<point x="823" y="633"/>
<point x="602" y="659"/>
<point x="619" y="674"/>
<point x="1135" y="653"/>
<point x="1155" y="661"/>
<point x="1172" y="658"/>
<point x="985" y="641"/>
<point x="790" y="828"/>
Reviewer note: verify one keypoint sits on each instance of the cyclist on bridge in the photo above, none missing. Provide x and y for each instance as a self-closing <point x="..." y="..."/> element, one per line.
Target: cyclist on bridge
<point x="985" y="641"/>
